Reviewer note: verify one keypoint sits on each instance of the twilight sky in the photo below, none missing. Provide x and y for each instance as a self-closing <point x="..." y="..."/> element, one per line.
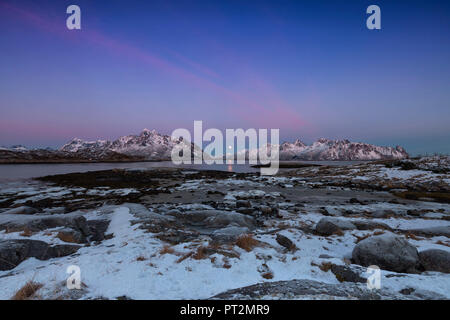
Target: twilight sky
<point x="310" y="68"/>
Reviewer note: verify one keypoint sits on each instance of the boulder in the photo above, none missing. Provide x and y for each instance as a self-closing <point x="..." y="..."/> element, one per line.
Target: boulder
<point x="229" y="233"/>
<point x="13" y="252"/>
<point x="285" y="242"/>
<point x="345" y="273"/>
<point x="14" y="222"/>
<point x="214" y="219"/>
<point x="387" y="251"/>
<point x="328" y="226"/>
<point x="97" y="229"/>
<point x="21" y="210"/>
<point x="435" y="260"/>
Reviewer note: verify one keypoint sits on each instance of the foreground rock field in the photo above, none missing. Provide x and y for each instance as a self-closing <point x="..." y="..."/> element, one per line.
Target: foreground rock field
<point x="306" y="233"/>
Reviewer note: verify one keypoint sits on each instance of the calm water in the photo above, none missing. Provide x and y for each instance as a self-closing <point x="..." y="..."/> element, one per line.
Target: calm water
<point x="12" y="172"/>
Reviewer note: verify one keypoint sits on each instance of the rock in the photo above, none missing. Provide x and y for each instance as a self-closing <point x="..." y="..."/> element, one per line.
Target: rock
<point x="346" y="274"/>
<point x="36" y="223"/>
<point x="285" y="242"/>
<point x="243" y="204"/>
<point x="370" y="225"/>
<point x="71" y="235"/>
<point x="214" y="219"/>
<point x="21" y="210"/>
<point x="355" y="201"/>
<point x="265" y="210"/>
<point x="13" y="252"/>
<point x="432" y="231"/>
<point x="97" y="229"/>
<point x="229" y="233"/>
<point x="61" y="250"/>
<point x="328" y="226"/>
<point x="381" y="214"/>
<point x="310" y="289"/>
<point x="248" y="211"/>
<point x="387" y="251"/>
<point x="435" y="260"/>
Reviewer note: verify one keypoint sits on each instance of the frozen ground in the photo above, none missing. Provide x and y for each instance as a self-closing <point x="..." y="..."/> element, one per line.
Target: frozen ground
<point x="190" y="241"/>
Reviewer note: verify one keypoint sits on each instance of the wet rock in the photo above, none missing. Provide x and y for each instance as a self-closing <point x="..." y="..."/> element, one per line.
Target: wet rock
<point x="328" y="226"/>
<point x="387" y="251"/>
<point x="435" y="260"/>
<point x="285" y="242"/>
<point x="21" y="210"/>
<point x="13" y="252"/>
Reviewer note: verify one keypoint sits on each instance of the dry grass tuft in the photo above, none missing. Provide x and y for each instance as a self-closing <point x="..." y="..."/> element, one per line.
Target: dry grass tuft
<point x="410" y="235"/>
<point x="166" y="249"/>
<point x="26" y="232"/>
<point x="325" y="266"/>
<point x="187" y="255"/>
<point x="141" y="258"/>
<point x="442" y="243"/>
<point x="247" y="242"/>
<point x="267" y="275"/>
<point x="28" y="291"/>
<point x="200" y="254"/>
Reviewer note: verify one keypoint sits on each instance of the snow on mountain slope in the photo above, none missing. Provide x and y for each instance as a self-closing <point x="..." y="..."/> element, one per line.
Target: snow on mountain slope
<point x="324" y="149"/>
<point x="148" y="144"/>
<point x="343" y="150"/>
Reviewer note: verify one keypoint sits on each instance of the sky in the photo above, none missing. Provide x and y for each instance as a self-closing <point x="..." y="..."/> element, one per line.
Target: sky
<point x="309" y="68"/>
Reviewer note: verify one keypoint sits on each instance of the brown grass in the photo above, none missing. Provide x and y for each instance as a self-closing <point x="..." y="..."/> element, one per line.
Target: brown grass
<point x="267" y="275"/>
<point x="26" y="232"/>
<point x="359" y="239"/>
<point x="325" y="266"/>
<point x="28" y="291"/>
<point x="167" y="249"/>
<point x="410" y="235"/>
<point x="247" y="242"/>
<point x="187" y="255"/>
<point x="200" y="254"/>
<point x="442" y="243"/>
<point x="141" y="258"/>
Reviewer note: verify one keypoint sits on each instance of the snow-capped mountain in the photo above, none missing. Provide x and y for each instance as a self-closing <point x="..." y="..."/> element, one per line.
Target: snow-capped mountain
<point x="324" y="149"/>
<point x="148" y="145"/>
<point x="14" y="148"/>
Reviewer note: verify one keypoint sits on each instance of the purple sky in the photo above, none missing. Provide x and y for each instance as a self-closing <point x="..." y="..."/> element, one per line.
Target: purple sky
<point x="310" y="68"/>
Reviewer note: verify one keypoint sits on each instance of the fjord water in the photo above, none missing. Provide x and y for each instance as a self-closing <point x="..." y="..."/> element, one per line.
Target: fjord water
<point x="12" y="172"/>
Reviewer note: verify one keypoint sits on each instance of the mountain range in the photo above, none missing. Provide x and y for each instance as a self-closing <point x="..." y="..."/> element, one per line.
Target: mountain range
<point x="149" y="145"/>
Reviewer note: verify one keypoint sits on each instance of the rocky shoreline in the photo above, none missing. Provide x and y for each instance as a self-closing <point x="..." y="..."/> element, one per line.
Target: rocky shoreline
<point x="307" y="233"/>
